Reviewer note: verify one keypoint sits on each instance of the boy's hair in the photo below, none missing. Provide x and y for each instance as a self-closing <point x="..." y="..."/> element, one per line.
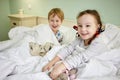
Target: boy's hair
<point x="93" y="13"/>
<point x="56" y="11"/>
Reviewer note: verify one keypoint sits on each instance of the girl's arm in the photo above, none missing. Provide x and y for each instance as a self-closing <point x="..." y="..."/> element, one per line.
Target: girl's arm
<point x="97" y="47"/>
<point x="57" y="70"/>
<point x="51" y="63"/>
<point x="67" y="50"/>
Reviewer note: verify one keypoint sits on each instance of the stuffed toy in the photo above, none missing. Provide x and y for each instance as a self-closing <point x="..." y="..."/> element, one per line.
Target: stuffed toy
<point x="68" y="75"/>
<point x="40" y="50"/>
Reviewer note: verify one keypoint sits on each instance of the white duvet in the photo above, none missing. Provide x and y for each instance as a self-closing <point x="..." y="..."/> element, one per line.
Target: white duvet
<point x="17" y="64"/>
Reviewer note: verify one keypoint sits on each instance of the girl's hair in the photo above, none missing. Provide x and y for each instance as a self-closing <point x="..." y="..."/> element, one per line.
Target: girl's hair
<point x="93" y="13"/>
<point x="56" y="11"/>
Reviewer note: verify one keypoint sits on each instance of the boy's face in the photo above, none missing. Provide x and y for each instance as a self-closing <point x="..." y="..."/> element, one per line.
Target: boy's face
<point x="87" y="26"/>
<point x="54" y="22"/>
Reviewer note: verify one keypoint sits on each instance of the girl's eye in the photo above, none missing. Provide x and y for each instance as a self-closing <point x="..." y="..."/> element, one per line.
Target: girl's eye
<point x="51" y="20"/>
<point x="79" y="25"/>
<point x="87" y="25"/>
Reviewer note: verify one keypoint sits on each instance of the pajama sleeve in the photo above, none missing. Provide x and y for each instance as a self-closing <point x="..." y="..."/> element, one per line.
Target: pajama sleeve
<point x="67" y="50"/>
<point x="97" y="47"/>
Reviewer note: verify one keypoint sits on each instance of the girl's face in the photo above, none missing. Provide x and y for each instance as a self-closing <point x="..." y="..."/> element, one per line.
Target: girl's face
<point x="87" y="26"/>
<point x="54" y="23"/>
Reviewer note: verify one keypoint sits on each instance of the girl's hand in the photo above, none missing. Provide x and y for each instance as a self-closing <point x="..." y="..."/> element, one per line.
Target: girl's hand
<point x="48" y="66"/>
<point x="51" y="64"/>
<point x="57" y="70"/>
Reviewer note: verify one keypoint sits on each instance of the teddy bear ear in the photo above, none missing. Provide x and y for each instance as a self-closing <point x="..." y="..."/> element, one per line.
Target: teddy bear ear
<point x="51" y="44"/>
<point x="48" y="46"/>
<point x="31" y="47"/>
<point x="30" y="43"/>
<point x="40" y="46"/>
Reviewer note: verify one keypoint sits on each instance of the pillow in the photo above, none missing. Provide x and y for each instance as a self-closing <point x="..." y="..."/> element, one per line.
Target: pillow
<point x="18" y="32"/>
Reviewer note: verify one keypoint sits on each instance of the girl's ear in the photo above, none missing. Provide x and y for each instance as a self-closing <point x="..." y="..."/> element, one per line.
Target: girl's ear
<point x="98" y="26"/>
<point x="75" y="27"/>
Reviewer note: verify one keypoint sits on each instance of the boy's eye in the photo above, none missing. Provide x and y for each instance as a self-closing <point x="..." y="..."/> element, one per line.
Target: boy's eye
<point x="57" y="20"/>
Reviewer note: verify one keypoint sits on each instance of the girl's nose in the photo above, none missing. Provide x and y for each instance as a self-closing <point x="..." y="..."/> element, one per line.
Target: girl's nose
<point x="83" y="28"/>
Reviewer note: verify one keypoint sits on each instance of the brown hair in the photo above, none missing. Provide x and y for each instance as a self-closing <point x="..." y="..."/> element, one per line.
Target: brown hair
<point x="56" y="11"/>
<point x="93" y="13"/>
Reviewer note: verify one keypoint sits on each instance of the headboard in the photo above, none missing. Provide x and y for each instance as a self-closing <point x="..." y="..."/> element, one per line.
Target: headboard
<point x="43" y="20"/>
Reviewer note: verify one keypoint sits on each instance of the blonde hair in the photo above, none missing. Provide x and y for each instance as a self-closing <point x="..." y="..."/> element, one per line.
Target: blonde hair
<point x="56" y="11"/>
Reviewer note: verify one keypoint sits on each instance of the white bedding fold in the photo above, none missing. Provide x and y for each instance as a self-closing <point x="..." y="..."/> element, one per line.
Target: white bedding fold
<point x="17" y="63"/>
<point x="16" y="52"/>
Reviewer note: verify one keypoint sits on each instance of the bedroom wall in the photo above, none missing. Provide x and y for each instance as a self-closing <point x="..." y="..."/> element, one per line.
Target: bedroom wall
<point x="110" y="12"/>
<point x="4" y="21"/>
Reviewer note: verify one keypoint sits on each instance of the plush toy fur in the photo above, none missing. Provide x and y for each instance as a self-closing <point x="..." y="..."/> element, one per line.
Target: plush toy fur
<point x="68" y="75"/>
<point x="39" y="50"/>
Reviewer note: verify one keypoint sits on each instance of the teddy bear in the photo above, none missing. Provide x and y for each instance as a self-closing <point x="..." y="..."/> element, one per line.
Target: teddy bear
<point x="68" y="75"/>
<point x="38" y="49"/>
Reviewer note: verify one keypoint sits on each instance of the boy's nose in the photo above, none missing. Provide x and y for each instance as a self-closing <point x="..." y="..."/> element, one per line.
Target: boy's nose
<point x="55" y="23"/>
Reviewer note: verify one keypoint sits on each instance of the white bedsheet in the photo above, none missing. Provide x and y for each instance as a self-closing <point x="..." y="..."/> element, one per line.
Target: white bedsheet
<point x="17" y="64"/>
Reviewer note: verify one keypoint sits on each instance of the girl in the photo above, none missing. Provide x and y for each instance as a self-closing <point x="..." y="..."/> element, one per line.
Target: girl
<point x="92" y="39"/>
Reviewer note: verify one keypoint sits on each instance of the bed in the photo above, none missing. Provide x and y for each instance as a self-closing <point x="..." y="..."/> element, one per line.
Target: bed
<point x="16" y="61"/>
